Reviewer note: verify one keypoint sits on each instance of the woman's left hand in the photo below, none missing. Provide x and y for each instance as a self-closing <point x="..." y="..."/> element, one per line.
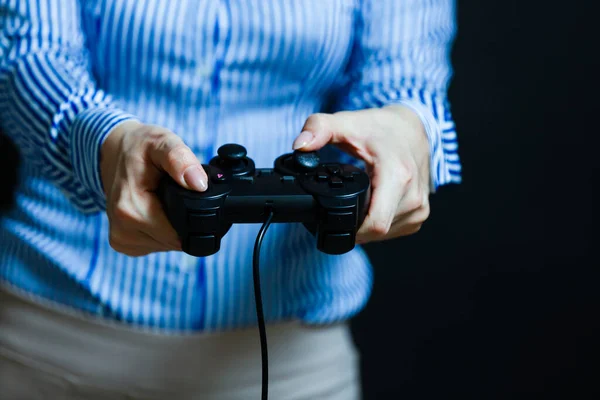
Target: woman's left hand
<point x="393" y="143"/>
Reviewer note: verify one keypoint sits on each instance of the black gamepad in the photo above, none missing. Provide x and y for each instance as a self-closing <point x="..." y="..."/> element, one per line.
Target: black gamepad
<point x="328" y="198"/>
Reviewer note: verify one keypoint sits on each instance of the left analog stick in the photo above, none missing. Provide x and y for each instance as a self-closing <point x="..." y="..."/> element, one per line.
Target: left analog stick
<point x="232" y="155"/>
<point x="232" y="152"/>
<point x="232" y="158"/>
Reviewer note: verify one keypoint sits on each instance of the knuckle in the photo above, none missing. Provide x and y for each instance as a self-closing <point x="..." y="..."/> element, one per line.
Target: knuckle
<point x="177" y="154"/>
<point x="379" y="228"/>
<point x="414" y="228"/>
<point x="421" y="213"/>
<point x="157" y="135"/>
<point x="425" y="212"/>
<point x="179" y="158"/>
<point x="116" y="242"/>
<point x="414" y="201"/>
<point x="404" y="174"/>
<point x="318" y="120"/>
<point x="136" y="253"/>
<point x="115" y="239"/>
<point x="159" y="138"/>
<point x="123" y="213"/>
<point x="317" y="117"/>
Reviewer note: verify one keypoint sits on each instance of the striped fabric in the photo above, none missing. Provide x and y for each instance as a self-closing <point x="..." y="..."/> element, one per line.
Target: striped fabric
<point x="214" y="72"/>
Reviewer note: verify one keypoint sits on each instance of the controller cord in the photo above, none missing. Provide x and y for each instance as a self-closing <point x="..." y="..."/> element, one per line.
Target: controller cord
<point x="259" y="306"/>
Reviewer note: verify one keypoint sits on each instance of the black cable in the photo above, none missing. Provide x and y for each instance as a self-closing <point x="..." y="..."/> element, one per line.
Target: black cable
<point x="259" y="307"/>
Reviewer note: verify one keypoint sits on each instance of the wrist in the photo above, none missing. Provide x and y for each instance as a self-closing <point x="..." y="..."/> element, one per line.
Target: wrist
<point x="420" y="116"/>
<point x="89" y="132"/>
<point x="413" y="121"/>
<point x="413" y="131"/>
<point x="111" y="150"/>
<point x="113" y="141"/>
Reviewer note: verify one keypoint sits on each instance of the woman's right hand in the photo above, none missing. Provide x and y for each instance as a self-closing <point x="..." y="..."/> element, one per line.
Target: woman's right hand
<point x="134" y="156"/>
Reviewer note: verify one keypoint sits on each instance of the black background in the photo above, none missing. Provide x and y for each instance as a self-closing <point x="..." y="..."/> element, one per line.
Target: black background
<point x="494" y="298"/>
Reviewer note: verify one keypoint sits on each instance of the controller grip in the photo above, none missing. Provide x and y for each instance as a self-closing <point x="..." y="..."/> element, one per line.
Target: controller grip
<point x="201" y="244"/>
<point x="194" y="216"/>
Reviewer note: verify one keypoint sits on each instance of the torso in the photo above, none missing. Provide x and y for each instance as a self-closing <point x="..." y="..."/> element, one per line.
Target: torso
<point x="214" y="72"/>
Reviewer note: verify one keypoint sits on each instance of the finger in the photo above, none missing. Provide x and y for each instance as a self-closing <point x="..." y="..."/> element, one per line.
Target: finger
<point x="144" y="213"/>
<point x="159" y="227"/>
<point x="409" y="224"/>
<point x="122" y="240"/>
<point x="135" y="251"/>
<point x="161" y="244"/>
<point x="389" y="185"/>
<point x="172" y="155"/>
<point x="126" y="241"/>
<point x="321" y="129"/>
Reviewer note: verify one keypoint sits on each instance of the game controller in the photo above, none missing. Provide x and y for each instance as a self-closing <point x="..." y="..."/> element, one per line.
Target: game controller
<point x="327" y="198"/>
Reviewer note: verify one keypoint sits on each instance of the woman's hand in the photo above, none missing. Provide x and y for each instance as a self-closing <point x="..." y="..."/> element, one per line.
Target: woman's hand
<point x="133" y="158"/>
<point x="395" y="148"/>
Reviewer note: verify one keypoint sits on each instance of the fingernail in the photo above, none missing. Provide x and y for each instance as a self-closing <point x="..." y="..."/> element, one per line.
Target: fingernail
<point x="195" y="179"/>
<point x="304" y="139"/>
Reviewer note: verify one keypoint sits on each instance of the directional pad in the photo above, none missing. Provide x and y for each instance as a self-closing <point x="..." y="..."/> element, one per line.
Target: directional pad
<point x="322" y="177"/>
<point x="348" y="176"/>
<point x="336" y="182"/>
<point x="333" y="169"/>
<point x="334" y="176"/>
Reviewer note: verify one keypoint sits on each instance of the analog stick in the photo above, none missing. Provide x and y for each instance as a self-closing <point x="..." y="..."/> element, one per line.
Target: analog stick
<point x="232" y="159"/>
<point x="232" y="156"/>
<point x="305" y="161"/>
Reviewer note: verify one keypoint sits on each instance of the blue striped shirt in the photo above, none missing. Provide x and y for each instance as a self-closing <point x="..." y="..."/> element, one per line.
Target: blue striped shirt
<point x="214" y="72"/>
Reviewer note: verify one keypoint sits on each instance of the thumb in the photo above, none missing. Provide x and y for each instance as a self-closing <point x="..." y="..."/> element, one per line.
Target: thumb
<point x="321" y="129"/>
<point x="176" y="159"/>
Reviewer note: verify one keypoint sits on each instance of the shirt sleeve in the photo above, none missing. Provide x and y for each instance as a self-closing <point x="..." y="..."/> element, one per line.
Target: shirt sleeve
<point x="401" y="55"/>
<point x="50" y="104"/>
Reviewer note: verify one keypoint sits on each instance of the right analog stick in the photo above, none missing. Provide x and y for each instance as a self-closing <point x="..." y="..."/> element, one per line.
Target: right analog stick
<point x="305" y="161"/>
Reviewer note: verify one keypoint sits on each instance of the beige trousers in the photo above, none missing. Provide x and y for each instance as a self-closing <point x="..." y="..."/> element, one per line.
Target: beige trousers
<point x="49" y="354"/>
